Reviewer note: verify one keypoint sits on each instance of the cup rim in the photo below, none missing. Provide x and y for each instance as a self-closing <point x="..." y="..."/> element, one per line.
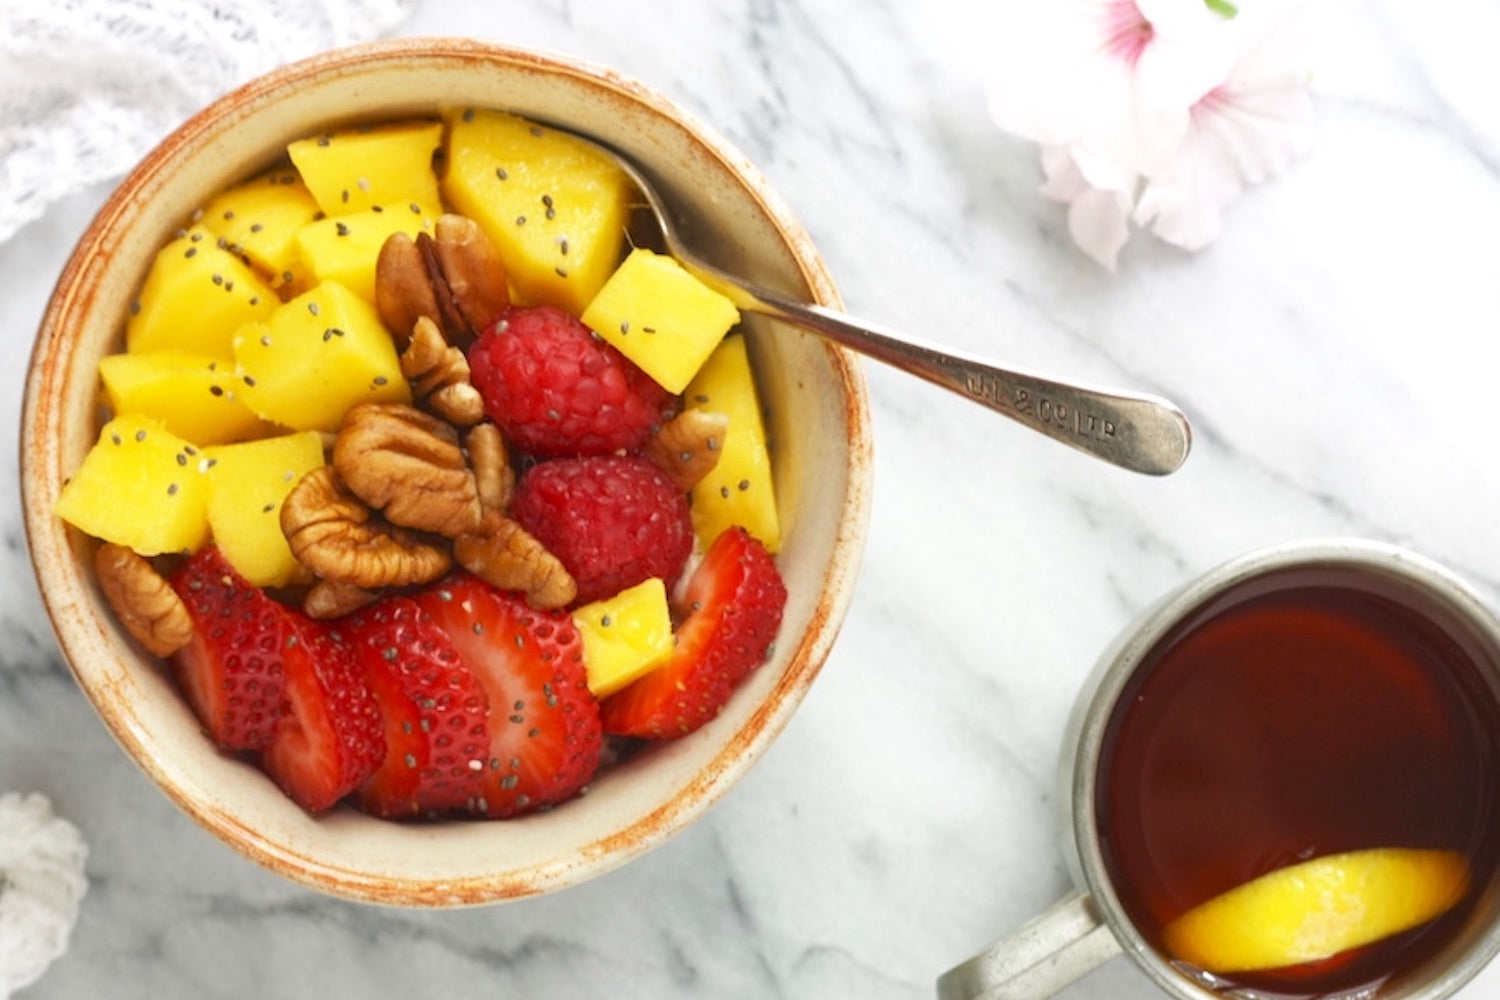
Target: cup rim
<point x="1116" y="667"/>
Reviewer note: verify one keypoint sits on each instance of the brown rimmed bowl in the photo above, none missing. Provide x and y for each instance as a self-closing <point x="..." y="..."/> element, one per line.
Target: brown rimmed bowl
<point x="817" y="416"/>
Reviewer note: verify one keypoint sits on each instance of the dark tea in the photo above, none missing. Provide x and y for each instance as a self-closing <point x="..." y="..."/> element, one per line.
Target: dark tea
<point x="1310" y="713"/>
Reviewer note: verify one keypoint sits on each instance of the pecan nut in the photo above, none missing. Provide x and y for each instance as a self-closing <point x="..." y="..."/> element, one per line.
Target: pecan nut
<point x="144" y="602"/>
<point x="454" y="277"/>
<point x="490" y="461"/>
<point x="335" y="535"/>
<point x="505" y="555"/>
<point x="688" y="446"/>
<point x="403" y="292"/>
<point x="439" y="376"/>
<point x="408" y="465"/>
<point x="335" y="598"/>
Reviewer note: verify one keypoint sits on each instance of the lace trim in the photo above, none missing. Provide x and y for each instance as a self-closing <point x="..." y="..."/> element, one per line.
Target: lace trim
<point x="91" y="85"/>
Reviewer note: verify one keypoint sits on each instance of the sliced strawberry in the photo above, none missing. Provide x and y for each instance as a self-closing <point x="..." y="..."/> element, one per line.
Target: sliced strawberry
<point x="231" y="671"/>
<point x="734" y="599"/>
<point x="331" y="738"/>
<point x="545" y="737"/>
<point x="436" y="728"/>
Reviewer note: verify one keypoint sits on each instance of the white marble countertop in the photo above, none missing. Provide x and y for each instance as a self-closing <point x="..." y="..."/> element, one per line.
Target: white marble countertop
<point x="1336" y="351"/>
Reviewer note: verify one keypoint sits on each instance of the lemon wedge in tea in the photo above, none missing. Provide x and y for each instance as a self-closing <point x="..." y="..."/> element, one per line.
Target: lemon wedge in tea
<point x="1319" y="908"/>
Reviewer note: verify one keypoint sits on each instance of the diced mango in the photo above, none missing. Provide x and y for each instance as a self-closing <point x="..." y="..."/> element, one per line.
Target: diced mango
<point x="555" y="207"/>
<point x="739" y="489"/>
<point x="194" y="297"/>
<point x="260" y="218"/>
<point x="625" y="636"/>
<point x="317" y="356"/>
<point x="247" y="483"/>
<point x="345" y="249"/>
<point x="359" y="169"/>
<point x="140" y="486"/>
<point x="194" y="395"/>
<point x="661" y="317"/>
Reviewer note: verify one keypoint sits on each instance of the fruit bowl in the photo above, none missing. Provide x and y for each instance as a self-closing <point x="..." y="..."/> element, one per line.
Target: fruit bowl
<point x="816" y="414"/>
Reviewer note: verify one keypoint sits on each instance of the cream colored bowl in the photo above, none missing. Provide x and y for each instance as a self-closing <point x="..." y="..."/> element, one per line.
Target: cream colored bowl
<point x="818" y="421"/>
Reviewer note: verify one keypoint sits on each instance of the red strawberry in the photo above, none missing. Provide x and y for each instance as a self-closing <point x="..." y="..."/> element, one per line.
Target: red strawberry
<point x="545" y="738"/>
<point x="612" y="520"/>
<point x="231" y="671"/>
<point x="735" y="599"/>
<point x="436" y="728"/>
<point x="331" y="738"/>
<point x="555" y="388"/>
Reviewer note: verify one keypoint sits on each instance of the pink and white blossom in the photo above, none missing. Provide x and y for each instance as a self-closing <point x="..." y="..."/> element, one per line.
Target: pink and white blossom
<point x="1152" y="112"/>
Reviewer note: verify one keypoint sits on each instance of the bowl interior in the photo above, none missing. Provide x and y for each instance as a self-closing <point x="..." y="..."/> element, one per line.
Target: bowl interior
<point x="817" y="420"/>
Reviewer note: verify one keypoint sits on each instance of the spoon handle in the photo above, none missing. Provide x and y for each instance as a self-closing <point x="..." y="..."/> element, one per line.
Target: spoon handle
<point x="1134" y="431"/>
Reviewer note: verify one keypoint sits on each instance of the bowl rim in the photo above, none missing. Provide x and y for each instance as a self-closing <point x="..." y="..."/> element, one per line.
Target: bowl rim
<point x="67" y="595"/>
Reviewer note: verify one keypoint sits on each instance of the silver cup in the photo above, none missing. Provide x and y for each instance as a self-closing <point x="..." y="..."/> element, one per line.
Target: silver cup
<point x="1090" y="925"/>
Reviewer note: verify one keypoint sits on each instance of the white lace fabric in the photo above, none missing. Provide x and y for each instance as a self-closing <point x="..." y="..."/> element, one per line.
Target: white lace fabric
<point x="87" y="87"/>
<point x="42" y="883"/>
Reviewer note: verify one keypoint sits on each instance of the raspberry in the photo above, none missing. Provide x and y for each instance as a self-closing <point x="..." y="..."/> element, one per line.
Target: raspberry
<point x="612" y="520"/>
<point x="554" y="388"/>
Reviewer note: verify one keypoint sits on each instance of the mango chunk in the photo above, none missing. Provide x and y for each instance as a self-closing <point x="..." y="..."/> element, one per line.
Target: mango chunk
<point x="247" y="483"/>
<point x="363" y="168"/>
<point x="554" y="206"/>
<point x="345" y="249"/>
<point x="624" y="636"/>
<point x="259" y="219"/>
<point x="194" y="395"/>
<point x="194" y="297"/>
<point x="317" y="356"/>
<point x="739" y="489"/>
<point x="661" y="317"/>
<point x="140" y="486"/>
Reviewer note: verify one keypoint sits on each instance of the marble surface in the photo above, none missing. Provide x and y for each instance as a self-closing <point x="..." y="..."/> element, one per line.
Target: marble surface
<point x="1335" y="350"/>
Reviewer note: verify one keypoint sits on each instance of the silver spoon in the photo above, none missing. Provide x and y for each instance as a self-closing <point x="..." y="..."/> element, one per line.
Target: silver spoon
<point x="1135" y="431"/>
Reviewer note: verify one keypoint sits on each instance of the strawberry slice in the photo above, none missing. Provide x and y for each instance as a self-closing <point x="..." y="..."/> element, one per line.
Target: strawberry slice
<point x="734" y="600"/>
<point x="331" y="738"/>
<point x="545" y="738"/>
<point x="436" y="727"/>
<point x="231" y="671"/>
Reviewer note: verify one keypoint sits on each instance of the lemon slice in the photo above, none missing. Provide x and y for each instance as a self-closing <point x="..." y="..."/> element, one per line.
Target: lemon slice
<point x="1310" y="911"/>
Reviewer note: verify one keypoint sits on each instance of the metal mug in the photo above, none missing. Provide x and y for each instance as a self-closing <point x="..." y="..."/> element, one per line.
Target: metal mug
<point x="1090" y="925"/>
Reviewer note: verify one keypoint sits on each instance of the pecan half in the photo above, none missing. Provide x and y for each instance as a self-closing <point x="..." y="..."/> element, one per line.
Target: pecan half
<point x="491" y="464"/>
<point x="505" y="555"/>
<point x="439" y="376"/>
<point x="471" y="270"/>
<point x="408" y="465"/>
<point x="688" y="446"/>
<point x="334" y="599"/>
<point x="403" y="291"/>
<point x="335" y="535"/>
<point x="144" y="602"/>
<point x="454" y="277"/>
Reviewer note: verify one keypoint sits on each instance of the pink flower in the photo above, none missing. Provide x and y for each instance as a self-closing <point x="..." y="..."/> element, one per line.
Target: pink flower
<point x="1149" y="111"/>
<point x="1245" y="130"/>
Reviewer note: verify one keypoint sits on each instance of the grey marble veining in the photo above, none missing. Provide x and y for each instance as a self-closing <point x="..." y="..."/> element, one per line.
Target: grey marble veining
<point x="1336" y="350"/>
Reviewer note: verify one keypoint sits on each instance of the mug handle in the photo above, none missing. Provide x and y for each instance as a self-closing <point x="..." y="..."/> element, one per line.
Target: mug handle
<point x="1038" y="959"/>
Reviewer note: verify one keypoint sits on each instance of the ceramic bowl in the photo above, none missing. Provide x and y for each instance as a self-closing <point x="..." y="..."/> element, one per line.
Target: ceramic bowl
<point x="813" y="393"/>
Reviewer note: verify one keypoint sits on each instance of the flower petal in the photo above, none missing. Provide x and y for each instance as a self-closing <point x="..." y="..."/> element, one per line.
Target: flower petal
<point x="1064" y="179"/>
<point x="1099" y="222"/>
<point x="1246" y="130"/>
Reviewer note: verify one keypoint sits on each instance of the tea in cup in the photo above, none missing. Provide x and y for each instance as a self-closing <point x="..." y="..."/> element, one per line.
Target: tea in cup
<point x="1284" y="781"/>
